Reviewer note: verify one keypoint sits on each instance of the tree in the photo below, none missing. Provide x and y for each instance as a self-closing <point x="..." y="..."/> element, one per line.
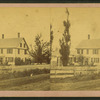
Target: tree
<point x="51" y="40"/>
<point x="40" y="51"/>
<point x="65" y="42"/>
<point x="81" y="59"/>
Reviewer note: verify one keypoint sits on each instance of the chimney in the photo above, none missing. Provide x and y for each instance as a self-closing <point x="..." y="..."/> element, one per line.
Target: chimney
<point x="88" y="36"/>
<point x="2" y="36"/>
<point x="18" y="35"/>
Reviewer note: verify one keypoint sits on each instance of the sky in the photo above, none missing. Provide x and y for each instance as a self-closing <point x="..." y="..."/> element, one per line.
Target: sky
<point x="32" y="21"/>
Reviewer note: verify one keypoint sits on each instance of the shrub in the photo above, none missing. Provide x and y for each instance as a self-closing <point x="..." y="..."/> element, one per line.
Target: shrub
<point x="27" y="61"/>
<point x="25" y="73"/>
<point x="19" y="61"/>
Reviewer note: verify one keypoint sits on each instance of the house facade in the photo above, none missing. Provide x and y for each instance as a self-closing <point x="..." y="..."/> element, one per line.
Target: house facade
<point x="12" y="48"/>
<point x="90" y="50"/>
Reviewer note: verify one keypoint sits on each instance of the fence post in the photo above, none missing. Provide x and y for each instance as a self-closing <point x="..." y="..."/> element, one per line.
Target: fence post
<point x="55" y="73"/>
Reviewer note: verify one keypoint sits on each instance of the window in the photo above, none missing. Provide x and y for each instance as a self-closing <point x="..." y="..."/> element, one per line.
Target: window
<point x="87" y="51"/>
<point x="94" y="60"/>
<point x="74" y="59"/>
<point x="91" y="59"/>
<point x="20" y="44"/>
<point x="95" y="51"/>
<point x="97" y="60"/>
<point x="81" y="51"/>
<point x="9" y="51"/>
<point x="10" y="59"/>
<point x="24" y="45"/>
<point x="6" y="59"/>
<point x="1" y="51"/>
<point x="25" y="52"/>
<point x="18" y="51"/>
<point x="78" y="51"/>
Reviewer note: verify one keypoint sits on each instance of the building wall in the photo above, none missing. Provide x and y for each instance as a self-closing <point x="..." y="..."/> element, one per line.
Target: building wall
<point x="22" y="54"/>
<point x="92" y="57"/>
<point x="22" y="49"/>
<point x="6" y="56"/>
<point x="15" y="54"/>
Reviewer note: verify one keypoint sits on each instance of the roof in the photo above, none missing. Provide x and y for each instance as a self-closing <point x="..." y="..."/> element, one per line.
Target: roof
<point x="10" y="42"/>
<point x="91" y="43"/>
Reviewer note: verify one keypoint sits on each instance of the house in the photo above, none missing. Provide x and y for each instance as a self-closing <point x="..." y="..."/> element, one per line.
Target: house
<point x="90" y="50"/>
<point x="12" y="48"/>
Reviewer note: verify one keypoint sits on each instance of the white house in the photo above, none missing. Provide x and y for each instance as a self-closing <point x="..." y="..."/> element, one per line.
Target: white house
<point x="90" y="49"/>
<point x="10" y="48"/>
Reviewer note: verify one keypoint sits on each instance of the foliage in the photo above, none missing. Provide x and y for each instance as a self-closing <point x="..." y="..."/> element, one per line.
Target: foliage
<point x="65" y="42"/>
<point x="81" y="60"/>
<point x="19" y="61"/>
<point x="27" y="61"/>
<point x="41" y="51"/>
<point x="17" y="74"/>
<point x="51" y="40"/>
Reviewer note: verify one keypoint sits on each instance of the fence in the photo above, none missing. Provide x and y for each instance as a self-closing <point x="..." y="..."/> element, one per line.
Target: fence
<point x="7" y="69"/>
<point x="65" y="72"/>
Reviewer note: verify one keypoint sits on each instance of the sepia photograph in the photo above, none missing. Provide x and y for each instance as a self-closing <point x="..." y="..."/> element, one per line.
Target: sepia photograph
<point x="75" y="60"/>
<point x="25" y="49"/>
<point x="49" y="48"/>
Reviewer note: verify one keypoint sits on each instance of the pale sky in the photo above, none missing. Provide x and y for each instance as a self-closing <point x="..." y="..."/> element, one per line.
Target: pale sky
<point x="32" y="21"/>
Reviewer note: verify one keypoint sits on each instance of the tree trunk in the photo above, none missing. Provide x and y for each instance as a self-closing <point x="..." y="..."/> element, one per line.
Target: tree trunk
<point x="64" y="62"/>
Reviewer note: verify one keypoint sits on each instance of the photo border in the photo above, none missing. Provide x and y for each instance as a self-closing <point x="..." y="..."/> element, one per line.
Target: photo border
<point x="50" y="93"/>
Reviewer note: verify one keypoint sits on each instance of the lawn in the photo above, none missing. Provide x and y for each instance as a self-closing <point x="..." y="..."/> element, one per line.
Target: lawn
<point x="76" y="86"/>
<point x="36" y="82"/>
<point x="77" y="83"/>
<point x="25" y="77"/>
<point x="88" y="81"/>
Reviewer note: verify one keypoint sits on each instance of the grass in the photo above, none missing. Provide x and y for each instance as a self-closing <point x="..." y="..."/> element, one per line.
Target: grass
<point x="79" y="82"/>
<point x="76" y="86"/>
<point x="18" y="83"/>
<point x="43" y="85"/>
<point x="28" y="78"/>
<point x="17" y="74"/>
